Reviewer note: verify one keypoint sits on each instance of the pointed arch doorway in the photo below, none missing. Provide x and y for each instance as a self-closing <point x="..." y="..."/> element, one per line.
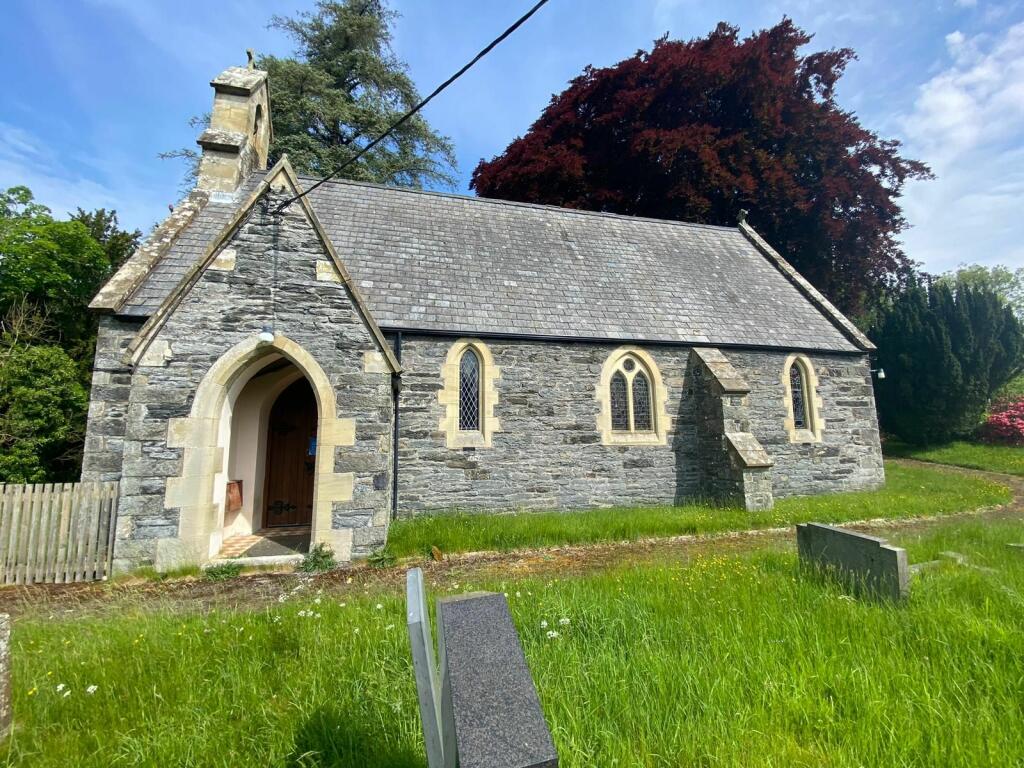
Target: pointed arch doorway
<point x="291" y="457"/>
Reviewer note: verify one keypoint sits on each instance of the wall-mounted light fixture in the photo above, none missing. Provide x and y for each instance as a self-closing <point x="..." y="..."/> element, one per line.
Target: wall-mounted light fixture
<point x="879" y="372"/>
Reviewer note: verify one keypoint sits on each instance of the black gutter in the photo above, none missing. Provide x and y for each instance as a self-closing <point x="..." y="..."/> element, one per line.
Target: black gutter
<point x="396" y="389"/>
<point x="610" y="340"/>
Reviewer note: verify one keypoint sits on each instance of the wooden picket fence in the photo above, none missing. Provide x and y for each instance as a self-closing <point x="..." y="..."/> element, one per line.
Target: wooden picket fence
<point x="56" y="532"/>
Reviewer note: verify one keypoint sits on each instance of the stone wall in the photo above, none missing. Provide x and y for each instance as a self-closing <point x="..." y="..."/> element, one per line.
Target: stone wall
<point x="108" y="403"/>
<point x="229" y="304"/>
<point x="849" y="456"/>
<point x="548" y="454"/>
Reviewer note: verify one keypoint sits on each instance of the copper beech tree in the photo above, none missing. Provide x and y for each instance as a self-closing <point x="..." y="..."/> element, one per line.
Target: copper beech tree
<point x="698" y="130"/>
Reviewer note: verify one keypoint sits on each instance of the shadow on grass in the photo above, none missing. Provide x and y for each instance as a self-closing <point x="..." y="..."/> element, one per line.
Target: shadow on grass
<point x="337" y="739"/>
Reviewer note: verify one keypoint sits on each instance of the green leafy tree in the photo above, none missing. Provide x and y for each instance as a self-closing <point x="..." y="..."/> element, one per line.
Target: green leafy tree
<point x="118" y="244"/>
<point x="946" y="352"/>
<point x="43" y="406"/>
<point x="1007" y="283"/>
<point x="49" y="271"/>
<point x="55" y="267"/>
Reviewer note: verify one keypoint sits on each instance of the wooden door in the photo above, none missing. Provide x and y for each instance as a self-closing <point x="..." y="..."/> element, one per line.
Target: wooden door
<point x="291" y="457"/>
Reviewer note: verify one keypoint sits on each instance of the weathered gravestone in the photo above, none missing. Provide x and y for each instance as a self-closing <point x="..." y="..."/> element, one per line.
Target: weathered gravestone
<point x="867" y="563"/>
<point x="489" y="714"/>
<point x="5" y="675"/>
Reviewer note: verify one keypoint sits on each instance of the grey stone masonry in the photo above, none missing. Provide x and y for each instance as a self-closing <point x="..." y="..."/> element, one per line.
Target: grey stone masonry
<point x="108" y="403"/>
<point x="223" y="308"/>
<point x="490" y="708"/>
<point x="734" y="468"/>
<point x="548" y="453"/>
<point x="867" y="563"/>
<point x="849" y="455"/>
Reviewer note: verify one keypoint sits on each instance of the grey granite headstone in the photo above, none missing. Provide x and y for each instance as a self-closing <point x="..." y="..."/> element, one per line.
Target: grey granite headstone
<point x="868" y="563"/>
<point x="5" y="675"/>
<point x="424" y="665"/>
<point x="490" y="708"/>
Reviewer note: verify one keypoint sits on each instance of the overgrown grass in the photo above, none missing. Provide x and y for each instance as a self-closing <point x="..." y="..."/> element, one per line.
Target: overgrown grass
<point x="908" y="492"/>
<point x="720" y="661"/>
<point x="994" y="458"/>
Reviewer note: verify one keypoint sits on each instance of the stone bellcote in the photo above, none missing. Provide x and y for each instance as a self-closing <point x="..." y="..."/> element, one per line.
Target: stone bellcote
<point x="238" y="139"/>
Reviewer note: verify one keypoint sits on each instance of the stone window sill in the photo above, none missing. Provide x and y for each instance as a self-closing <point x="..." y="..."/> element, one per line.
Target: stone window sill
<point x="804" y="436"/>
<point x="634" y="438"/>
<point x="472" y="439"/>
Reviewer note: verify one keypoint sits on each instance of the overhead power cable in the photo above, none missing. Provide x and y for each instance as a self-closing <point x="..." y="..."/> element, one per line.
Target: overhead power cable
<point x="398" y="123"/>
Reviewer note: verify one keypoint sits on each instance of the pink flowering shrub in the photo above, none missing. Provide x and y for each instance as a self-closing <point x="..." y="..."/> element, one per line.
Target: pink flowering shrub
<point x="1005" y="424"/>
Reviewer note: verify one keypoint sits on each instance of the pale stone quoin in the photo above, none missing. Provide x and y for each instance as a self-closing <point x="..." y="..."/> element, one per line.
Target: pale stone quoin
<point x="367" y="353"/>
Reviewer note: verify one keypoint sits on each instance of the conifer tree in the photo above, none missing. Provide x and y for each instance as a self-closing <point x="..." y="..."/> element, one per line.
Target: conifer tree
<point x="946" y="352"/>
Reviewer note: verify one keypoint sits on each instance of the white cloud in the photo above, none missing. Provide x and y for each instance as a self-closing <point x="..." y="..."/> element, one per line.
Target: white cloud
<point x="968" y="124"/>
<point x="977" y="101"/>
<point x="25" y="160"/>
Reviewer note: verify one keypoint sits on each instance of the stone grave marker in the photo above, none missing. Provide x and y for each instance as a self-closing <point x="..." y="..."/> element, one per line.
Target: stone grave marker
<point x="488" y="698"/>
<point x="482" y="710"/>
<point x="868" y="563"/>
<point x="5" y="675"/>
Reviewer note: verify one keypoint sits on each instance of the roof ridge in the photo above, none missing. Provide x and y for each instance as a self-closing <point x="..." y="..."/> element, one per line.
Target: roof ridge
<point x="518" y="204"/>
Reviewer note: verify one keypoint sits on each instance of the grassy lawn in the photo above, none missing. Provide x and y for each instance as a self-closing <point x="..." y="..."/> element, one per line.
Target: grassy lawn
<point x="716" y="661"/>
<point x="909" y="492"/>
<point x="994" y="458"/>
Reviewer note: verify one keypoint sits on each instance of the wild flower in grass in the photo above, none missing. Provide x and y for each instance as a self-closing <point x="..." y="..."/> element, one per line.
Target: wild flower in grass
<point x="355" y="631"/>
<point x="389" y="626"/>
<point x="543" y="624"/>
<point x="92" y="689"/>
<point x="552" y="634"/>
<point x="317" y="601"/>
<point x="379" y="607"/>
<point x="519" y="594"/>
<point x="66" y="693"/>
<point x="61" y="687"/>
<point x="33" y="691"/>
<point x="564" y="621"/>
<point x="342" y="605"/>
<point x="282" y="598"/>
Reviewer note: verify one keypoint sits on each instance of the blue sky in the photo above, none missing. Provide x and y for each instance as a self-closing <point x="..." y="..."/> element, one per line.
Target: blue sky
<point x="96" y="88"/>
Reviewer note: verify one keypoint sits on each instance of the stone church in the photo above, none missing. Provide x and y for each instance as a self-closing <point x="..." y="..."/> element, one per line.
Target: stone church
<point x="323" y="364"/>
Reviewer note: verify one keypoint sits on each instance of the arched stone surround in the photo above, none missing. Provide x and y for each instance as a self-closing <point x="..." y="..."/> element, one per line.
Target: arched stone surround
<point x="197" y="493"/>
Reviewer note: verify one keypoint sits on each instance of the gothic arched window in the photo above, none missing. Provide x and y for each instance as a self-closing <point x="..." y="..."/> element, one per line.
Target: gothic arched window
<point x="803" y="420"/>
<point x="469" y="395"/>
<point x="629" y="396"/>
<point x="469" y="391"/>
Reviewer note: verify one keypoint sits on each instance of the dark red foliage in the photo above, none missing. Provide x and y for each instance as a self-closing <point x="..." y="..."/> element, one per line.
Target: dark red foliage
<point x="698" y="130"/>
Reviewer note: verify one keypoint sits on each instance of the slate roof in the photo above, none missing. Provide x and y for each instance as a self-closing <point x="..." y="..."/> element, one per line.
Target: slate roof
<point x="430" y="261"/>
